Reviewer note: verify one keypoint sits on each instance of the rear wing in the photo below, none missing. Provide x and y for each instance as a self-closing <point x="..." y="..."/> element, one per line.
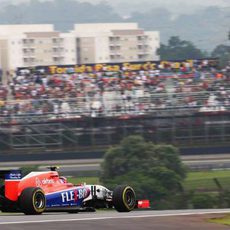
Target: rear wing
<point x="12" y="179"/>
<point x="11" y="174"/>
<point x="3" y="173"/>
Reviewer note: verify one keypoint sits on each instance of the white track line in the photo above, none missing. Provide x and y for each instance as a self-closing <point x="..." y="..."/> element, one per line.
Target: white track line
<point x="115" y="217"/>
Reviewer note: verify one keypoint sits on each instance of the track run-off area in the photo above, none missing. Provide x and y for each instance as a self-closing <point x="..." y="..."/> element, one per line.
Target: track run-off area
<point x="143" y="219"/>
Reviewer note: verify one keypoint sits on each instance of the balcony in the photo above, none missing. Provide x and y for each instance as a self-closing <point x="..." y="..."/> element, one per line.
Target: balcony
<point x="142" y="56"/>
<point x="114" y="40"/>
<point x="142" y="47"/>
<point x="116" y="53"/>
<point x="57" y="42"/>
<point x="116" y="57"/>
<point x="58" y="50"/>
<point x="28" y="42"/>
<point x="28" y="61"/>
<point x="28" y="52"/>
<point x="115" y="49"/>
<point x="142" y="38"/>
<point x="58" y="59"/>
<point x="143" y="52"/>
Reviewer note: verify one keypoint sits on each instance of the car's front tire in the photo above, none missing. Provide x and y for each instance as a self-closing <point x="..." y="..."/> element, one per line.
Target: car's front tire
<point x="32" y="201"/>
<point x="124" y="198"/>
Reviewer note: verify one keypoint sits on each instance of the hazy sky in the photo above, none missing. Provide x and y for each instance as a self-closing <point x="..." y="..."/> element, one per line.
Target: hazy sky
<point x="175" y="6"/>
<point x="157" y="3"/>
<point x="192" y="2"/>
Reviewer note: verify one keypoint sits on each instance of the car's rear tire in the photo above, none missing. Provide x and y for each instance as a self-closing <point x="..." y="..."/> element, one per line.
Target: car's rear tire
<point x="2" y="191"/>
<point x="32" y="201"/>
<point x="124" y="198"/>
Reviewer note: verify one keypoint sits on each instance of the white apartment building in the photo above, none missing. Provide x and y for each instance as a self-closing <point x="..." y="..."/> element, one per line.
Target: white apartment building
<point x="115" y="42"/>
<point x="41" y="45"/>
<point x="34" y="45"/>
<point x="11" y="43"/>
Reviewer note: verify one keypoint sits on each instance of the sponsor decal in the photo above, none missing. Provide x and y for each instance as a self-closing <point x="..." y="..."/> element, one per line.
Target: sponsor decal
<point x="70" y="197"/>
<point x="42" y="182"/>
<point x="38" y="182"/>
<point x="14" y="175"/>
<point x="74" y="195"/>
<point x="125" y="66"/>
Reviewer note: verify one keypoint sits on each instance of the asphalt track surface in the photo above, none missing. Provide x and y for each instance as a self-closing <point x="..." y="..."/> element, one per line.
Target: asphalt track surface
<point x="112" y="220"/>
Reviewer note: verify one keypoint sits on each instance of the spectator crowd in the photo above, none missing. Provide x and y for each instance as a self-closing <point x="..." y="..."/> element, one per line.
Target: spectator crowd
<point x="33" y="94"/>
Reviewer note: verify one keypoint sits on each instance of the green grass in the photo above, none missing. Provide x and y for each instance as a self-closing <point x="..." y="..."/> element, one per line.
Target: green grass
<point x="203" y="180"/>
<point x="208" y="174"/>
<point x="87" y="180"/>
<point x="224" y="220"/>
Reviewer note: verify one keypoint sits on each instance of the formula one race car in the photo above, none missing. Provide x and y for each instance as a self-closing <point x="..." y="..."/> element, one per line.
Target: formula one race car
<point x="40" y="192"/>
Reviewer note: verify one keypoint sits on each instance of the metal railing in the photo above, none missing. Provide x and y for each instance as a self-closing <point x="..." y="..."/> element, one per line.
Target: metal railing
<point x="158" y="104"/>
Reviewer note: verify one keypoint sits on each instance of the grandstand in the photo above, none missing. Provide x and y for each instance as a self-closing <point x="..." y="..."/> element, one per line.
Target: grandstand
<point x="189" y="106"/>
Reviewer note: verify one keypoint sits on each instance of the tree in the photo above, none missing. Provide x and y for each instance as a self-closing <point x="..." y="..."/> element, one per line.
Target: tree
<point x="178" y="49"/>
<point x="223" y="53"/>
<point x="155" y="171"/>
<point x="62" y="13"/>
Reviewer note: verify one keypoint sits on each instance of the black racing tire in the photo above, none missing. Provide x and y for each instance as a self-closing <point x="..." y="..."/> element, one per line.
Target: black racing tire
<point x="32" y="201"/>
<point x="124" y="198"/>
<point x="2" y="191"/>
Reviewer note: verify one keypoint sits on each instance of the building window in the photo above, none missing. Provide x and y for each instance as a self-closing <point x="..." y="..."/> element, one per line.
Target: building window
<point x="140" y="47"/>
<point x="114" y="39"/>
<point x="57" y="40"/>
<point x="28" y="51"/>
<point x="28" y="41"/>
<point x="28" y="60"/>
<point x="141" y="38"/>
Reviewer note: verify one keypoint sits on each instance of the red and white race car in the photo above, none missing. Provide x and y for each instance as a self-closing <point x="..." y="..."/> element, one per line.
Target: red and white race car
<point x="39" y="192"/>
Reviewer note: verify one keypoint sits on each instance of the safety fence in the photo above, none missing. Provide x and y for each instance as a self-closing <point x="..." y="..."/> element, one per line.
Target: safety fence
<point x="191" y="129"/>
